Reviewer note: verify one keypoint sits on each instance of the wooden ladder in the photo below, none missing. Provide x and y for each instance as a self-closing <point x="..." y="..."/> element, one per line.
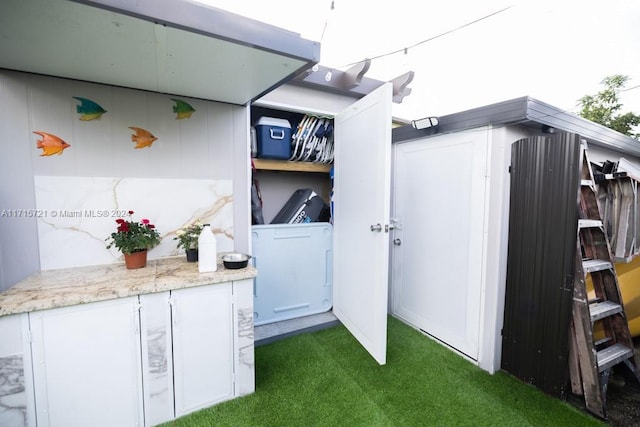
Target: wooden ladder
<point x="591" y="361"/>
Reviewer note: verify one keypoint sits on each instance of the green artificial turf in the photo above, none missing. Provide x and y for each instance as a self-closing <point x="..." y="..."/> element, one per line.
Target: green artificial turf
<point x="326" y="378"/>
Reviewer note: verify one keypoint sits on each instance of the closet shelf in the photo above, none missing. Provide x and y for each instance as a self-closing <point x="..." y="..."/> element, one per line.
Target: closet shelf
<point x="288" y="166"/>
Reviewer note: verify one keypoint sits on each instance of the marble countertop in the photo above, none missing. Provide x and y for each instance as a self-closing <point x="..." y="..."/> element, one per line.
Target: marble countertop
<point x="72" y="286"/>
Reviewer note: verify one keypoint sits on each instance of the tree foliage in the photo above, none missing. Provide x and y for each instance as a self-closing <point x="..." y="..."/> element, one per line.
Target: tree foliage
<point x="604" y="107"/>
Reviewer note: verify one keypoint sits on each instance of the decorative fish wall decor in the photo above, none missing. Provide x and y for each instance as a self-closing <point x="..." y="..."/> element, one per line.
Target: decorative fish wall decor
<point x="182" y="109"/>
<point x="50" y="144"/>
<point x="142" y="138"/>
<point x="88" y="109"/>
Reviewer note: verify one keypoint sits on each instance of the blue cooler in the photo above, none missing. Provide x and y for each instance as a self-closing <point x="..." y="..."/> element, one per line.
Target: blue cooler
<point x="274" y="138"/>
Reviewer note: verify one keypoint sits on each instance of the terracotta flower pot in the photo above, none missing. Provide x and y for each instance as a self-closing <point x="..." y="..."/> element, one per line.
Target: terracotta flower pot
<point x="192" y="255"/>
<point x="135" y="259"/>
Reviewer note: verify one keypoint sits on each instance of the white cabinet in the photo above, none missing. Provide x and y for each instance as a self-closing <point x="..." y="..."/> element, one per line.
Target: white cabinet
<point x="197" y="348"/>
<point x="141" y="360"/>
<point x="86" y="365"/>
<point x="176" y="341"/>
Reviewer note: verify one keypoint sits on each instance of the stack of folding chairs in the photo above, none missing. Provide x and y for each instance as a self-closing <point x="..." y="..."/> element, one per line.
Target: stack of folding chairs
<point x="313" y="140"/>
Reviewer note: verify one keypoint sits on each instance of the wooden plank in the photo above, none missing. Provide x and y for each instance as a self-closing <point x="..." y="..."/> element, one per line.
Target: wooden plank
<point x="584" y="342"/>
<point x="287" y="166"/>
<point x="625" y="200"/>
<point x="574" y="364"/>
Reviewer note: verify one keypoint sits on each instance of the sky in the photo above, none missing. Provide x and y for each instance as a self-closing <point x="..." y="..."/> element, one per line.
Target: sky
<point x="554" y="51"/>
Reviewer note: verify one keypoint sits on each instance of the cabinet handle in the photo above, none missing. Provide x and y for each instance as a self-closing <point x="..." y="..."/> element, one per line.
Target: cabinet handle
<point x="377" y="227"/>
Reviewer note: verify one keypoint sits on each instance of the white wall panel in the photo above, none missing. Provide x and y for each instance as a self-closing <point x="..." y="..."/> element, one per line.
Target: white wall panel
<point x="18" y="234"/>
<point x="211" y="145"/>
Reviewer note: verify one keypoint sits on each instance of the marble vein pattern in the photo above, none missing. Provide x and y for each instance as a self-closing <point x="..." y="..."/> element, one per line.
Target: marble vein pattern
<point x="245" y="336"/>
<point x="156" y="341"/>
<point x="158" y="370"/>
<point x="13" y="404"/>
<point x="76" y="214"/>
<point x="72" y="286"/>
<point x="245" y="374"/>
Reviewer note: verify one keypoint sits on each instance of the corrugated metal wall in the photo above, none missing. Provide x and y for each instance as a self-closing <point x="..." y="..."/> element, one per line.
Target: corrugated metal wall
<point x="545" y="178"/>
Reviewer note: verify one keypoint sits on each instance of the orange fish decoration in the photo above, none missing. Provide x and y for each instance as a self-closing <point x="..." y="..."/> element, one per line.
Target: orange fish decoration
<point x="142" y="138"/>
<point x="50" y="144"/>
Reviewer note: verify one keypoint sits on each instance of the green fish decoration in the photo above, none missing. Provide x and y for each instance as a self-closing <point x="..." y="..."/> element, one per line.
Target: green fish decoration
<point x="182" y="109"/>
<point x="89" y="109"/>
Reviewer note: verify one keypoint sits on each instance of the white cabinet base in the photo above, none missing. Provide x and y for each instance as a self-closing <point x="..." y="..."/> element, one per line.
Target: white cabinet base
<point x="197" y="348"/>
<point x="134" y="361"/>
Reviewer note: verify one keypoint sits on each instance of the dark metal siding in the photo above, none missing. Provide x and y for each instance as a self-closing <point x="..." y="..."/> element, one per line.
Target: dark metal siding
<point x="545" y="176"/>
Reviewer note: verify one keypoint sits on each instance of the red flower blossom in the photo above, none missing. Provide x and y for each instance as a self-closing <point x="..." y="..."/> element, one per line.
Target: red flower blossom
<point x="132" y="236"/>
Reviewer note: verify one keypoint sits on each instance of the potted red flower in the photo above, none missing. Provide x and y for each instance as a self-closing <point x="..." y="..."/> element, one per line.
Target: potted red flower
<point x="133" y="239"/>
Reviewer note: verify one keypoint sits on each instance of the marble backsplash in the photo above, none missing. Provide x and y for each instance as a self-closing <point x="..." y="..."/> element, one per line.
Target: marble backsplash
<point x="76" y="214"/>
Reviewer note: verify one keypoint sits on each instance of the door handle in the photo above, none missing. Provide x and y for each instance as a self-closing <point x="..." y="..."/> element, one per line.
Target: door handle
<point x="377" y="227"/>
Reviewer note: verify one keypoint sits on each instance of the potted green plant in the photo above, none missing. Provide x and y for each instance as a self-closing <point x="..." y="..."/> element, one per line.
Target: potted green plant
<point x="187" y="238"/>
<point x="133" y="239"/>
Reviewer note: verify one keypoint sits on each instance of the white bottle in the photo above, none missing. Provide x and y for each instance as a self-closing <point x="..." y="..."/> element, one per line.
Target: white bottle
<point x="207" y="250"/>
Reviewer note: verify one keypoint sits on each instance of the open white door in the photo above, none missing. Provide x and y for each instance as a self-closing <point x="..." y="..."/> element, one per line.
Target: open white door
<point x="361" y="215"/>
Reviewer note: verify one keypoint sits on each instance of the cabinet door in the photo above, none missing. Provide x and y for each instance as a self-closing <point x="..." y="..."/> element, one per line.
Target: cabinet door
<point x="361" y="214"/>
<point x="86" y="365"/>
<point x="202" y="346"/>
